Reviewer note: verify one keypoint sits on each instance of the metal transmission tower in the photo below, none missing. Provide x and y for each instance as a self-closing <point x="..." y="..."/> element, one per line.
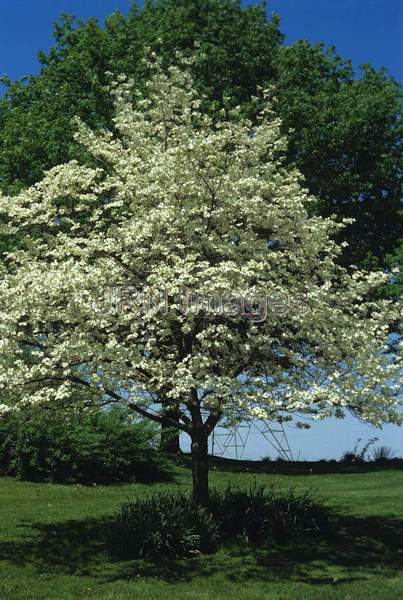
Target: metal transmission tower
<point x="277" y="438"/>
<point x="231" y="439"/>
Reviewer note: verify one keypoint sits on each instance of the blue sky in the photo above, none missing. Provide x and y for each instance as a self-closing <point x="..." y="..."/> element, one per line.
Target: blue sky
<point x="363" y="30"/>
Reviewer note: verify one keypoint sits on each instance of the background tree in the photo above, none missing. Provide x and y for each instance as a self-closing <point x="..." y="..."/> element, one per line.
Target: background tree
<point x="345" y="136"/>
<point x="183" y="202"/>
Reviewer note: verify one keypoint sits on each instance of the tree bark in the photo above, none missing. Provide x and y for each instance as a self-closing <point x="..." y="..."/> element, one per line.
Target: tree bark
<point x="169" y="442"/>
<point x="199" y="449"/>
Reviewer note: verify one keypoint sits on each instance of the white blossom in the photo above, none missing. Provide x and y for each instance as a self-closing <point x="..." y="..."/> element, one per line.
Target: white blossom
<point x="175" y="202"/>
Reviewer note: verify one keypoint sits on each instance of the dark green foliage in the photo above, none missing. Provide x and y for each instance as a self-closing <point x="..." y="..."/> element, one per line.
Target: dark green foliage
<point x="345" y="136"/>
<point x="259" y="514"/>
<point x="167" y="524"/>
<point x="106" y="447"/>
<point x="163" y="525"/>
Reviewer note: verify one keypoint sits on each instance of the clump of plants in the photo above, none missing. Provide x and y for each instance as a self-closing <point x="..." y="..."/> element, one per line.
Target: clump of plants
<point x="165" y="524"/>
<point x="358" y="456"/>
<point x="383" y="455"/>
<point x="168" y="524"/>
<point x="100" y="447"/>
<point x="260" y="514"/>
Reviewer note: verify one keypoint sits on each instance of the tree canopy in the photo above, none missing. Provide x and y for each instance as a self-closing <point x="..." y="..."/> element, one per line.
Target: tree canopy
<point x="257" y="319"/>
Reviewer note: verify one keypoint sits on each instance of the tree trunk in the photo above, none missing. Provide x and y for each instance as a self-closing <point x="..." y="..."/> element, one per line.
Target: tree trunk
<point x="200" y="468"/>
<point x="169" y="442"/>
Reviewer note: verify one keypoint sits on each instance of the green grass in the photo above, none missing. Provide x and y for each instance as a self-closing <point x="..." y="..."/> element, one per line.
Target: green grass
<point x="52" y="545"/>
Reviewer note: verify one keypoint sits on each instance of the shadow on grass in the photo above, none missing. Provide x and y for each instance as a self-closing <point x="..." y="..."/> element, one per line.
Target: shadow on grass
<point x="354" y="547"/>
<point x="69" y="546"/>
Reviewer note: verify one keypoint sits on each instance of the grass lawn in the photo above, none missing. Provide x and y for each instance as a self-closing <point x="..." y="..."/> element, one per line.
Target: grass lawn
<point x="51" y="545"/>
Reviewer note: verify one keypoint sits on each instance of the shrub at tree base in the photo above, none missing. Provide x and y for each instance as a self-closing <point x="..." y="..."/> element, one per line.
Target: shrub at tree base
<point x="260" y="514"/>
<point x="168" y="525"/>
<point x="105" y="447"/>
<point x="163" y="525"/>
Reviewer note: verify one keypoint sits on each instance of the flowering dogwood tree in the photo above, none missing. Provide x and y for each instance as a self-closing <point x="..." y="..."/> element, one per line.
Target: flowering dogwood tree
<point x="247" y="313"/>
